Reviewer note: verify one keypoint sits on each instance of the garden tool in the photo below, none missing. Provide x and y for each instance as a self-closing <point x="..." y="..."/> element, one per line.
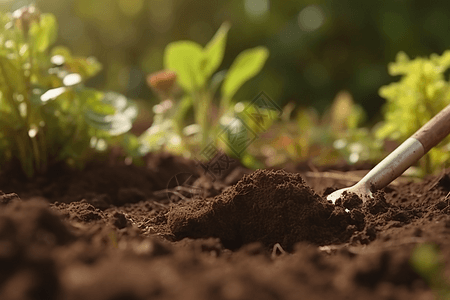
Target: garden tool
<point x="409" y="152"/>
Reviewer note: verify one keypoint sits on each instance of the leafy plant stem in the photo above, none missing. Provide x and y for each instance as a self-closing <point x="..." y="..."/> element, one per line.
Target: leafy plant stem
<point x="224" y="106"/>
<point x="43" y="150"/>
<point x="40" y="163"/>
<point x="36" y="154"/>
<point x="203" y="107"/>
<point x="21" y="138"/>
<point x="27" y="165"/>
<point x="9" y="94"/>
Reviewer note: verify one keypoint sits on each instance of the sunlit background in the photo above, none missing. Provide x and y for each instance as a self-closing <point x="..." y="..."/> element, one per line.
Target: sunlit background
<point x="317" y="48"/>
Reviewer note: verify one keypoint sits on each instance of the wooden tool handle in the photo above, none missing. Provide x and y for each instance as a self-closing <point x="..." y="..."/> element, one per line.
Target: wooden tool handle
<point x="434" y="130"/>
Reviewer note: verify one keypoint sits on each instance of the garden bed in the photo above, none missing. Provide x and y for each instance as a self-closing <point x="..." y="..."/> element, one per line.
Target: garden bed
<point x="123" y="232"/>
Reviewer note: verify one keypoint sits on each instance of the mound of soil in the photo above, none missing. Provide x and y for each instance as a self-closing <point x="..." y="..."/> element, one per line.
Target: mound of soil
<point x="267" y="206"/>
<point x="122" y="232"/>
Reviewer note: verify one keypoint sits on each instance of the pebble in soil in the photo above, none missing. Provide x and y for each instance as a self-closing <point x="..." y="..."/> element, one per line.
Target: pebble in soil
<point x="268" y="207"/>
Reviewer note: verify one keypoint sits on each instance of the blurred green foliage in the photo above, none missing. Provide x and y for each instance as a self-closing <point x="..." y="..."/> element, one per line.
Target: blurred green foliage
<point x="47" y="115"/>
<point x="318" y="48"/>
<point x="194" y="68"/>
<point x="336" y="136"/>
<point x="421" y="93"/>
<point x="428" y="262"/>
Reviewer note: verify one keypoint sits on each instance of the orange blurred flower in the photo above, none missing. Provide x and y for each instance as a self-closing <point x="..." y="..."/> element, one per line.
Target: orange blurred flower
<point x="162" y="81"/>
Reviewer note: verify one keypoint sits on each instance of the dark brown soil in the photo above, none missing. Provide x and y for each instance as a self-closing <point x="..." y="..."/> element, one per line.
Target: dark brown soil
<point x="122" y="232"/>
<point x="267" y="206"/>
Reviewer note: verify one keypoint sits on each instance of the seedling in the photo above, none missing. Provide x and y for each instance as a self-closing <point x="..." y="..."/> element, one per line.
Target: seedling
<point x="195" y="68"/>
<point x="166" y="129"/>
<point x="47" y="115"/>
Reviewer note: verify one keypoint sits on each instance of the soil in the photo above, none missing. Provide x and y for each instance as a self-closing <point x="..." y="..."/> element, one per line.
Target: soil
<point x="170" y="231"/>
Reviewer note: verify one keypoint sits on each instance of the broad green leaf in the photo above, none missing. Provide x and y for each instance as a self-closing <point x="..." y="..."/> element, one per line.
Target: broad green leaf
<point x="214" y="51"/>
<point x="246" y="65"/>
<point x="184" y="58"/>
<point x="117" y="123"/>
<point x="49" y="24"/>
<point x="44" y="33"/>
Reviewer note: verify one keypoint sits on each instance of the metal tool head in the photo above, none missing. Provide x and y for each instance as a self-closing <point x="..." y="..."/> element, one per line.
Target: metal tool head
<point x="361" y="189"/>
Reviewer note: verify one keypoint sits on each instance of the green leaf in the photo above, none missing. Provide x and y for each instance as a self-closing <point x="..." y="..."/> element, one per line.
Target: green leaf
<point x="86" y="67"/>
<point x="157" y="135"/>
<point x="182" y="108"/>
<point x="63" y="51"/>
<point x="214" y="51"/>
<point x="44" y="33"/>
<point x="121" y="104"/>
<point x="11" y="74"/>
<point x="184" y="58"/>
<point x="94" y="102"/>
<point x="49" y="24"/>
<point x="114" y="124"/>
<point x="246" y="65"/>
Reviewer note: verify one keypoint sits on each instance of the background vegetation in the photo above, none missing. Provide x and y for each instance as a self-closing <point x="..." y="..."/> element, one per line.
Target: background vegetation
<point x="328" y="65"/>
<point x="317" y="48"/>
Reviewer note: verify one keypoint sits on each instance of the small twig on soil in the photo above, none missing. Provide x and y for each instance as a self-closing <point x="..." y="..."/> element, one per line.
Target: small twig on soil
<point x="277" y="249"/>
<point x="163" y="193"/>
<point x="362" y="250"/>
<point x="176" y="191"/>
<point x="160" y="204"/>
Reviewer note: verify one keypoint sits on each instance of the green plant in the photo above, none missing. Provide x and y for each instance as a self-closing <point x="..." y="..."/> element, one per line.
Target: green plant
<point x="411" y="102"/>
<point x="353" y="141"/>
<point x="195" y="68"/>
<point x="302" y="134"/>
<point x="47" y="115"/>
<point x="427" y="261"/>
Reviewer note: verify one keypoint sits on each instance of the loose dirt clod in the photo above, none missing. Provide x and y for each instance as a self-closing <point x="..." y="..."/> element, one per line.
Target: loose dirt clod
<point x="268" y="207"/>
